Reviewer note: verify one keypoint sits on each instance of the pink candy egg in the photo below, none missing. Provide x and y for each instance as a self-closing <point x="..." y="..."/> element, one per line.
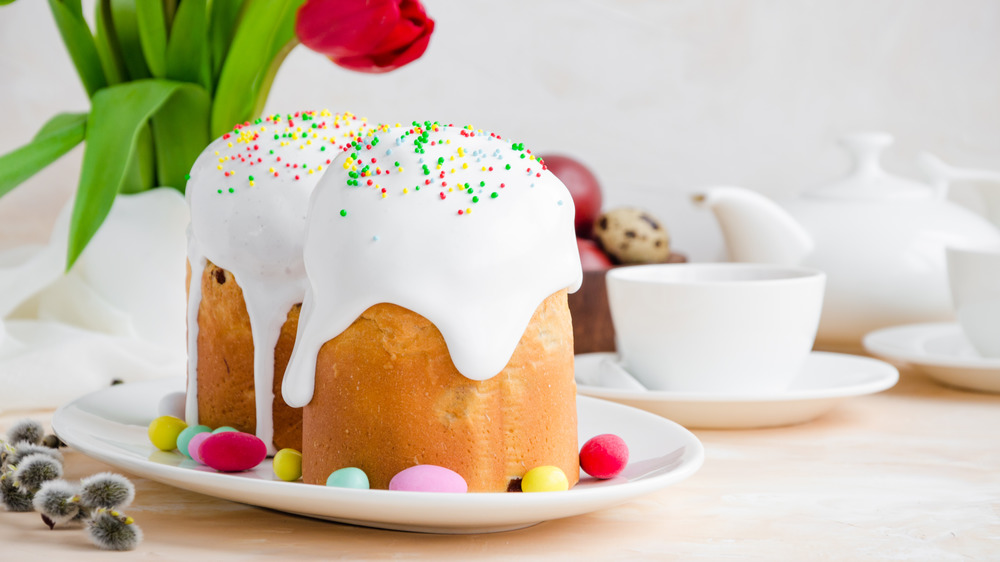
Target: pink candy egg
<point x="232" y="451"/>
<point x="194" y="445"/>
<point x="604" y="456"/>
<point x="429" y="478"/>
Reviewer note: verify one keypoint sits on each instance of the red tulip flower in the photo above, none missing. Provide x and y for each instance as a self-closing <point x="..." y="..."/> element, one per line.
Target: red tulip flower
<point x="365" y="35"/>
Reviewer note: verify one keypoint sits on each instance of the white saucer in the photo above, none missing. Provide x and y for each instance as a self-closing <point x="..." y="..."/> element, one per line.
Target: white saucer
<point x="826" y="379"/>
<point x="110" y="425"/>
<point x="939" y="350"/>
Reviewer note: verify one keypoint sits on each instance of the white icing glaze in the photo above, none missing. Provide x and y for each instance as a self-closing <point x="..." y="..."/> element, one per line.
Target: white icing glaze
<point x="248" y="195"/>
<point x="475" y="264"/>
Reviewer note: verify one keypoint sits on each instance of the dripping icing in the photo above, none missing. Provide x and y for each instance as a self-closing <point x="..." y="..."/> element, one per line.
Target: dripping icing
<point x="198" y="263"/>
<point x="461" y="226"/>
<point x="248" y="196"/>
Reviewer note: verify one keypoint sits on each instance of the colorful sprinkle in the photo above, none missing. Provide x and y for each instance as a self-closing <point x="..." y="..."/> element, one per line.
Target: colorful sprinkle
<point x="468" y="169"/>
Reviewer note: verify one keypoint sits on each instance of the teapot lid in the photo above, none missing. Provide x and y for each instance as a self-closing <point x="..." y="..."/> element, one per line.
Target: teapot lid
<point x="868" y="180"/>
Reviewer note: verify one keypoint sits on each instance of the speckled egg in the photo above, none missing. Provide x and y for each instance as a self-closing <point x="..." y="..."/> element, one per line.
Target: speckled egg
<point x="632" y="236"/>
<point x="429" y="478"/>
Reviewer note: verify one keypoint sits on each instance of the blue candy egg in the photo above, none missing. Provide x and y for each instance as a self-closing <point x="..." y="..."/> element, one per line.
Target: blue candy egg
<point x="349" y="477"/>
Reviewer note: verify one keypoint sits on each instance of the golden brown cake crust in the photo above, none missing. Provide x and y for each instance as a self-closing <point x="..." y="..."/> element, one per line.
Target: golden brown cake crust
<point x="388" y="397"/>
<point x="225" y="362"/>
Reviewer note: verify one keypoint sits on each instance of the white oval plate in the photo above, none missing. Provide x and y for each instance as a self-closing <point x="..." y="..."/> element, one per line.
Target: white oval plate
<point x="110" y="425"/>
<point x="941" y="351"/>
<point x="826" y="379"/>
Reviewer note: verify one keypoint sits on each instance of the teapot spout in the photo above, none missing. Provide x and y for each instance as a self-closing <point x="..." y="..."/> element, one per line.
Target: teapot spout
<point x="755" y="228"/>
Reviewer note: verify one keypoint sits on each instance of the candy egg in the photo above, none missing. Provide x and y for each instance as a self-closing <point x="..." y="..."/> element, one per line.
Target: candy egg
<point x="163" y="432"/>
<point x="172" y="405"/>
<point x="184" y="439"/>
<point x="349" y="477"/>
<point x="429" y="478"/>
<point x="544" y="479"/>
<point x="604" y="456"/>
<point x="194" y="445"/>
<point x="287" y="465"/>
<point x="232" y="451"/>
<point x="224" y="429"/>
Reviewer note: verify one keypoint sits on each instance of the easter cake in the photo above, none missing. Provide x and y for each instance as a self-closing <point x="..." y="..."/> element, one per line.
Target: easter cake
<point x="248" y="194"/>
<point x="434" y="328"/>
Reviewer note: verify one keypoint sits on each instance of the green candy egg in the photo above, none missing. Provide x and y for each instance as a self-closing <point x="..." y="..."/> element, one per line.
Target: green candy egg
<point x="184" y="439"/>
<point x="287" y="465"/>
<point x="224" y="429"/>
<point x="349" y="477"/>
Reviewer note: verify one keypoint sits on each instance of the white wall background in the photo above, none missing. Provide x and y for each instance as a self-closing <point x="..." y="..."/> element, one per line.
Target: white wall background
<point x="659" y="97"/>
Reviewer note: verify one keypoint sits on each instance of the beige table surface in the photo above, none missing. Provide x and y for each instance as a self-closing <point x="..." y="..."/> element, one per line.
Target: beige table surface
<point x="910" y="473"/>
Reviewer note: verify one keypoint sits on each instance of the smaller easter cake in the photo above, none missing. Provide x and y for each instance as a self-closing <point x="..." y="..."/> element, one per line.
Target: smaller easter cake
<point x="435" y="329"/>
<point x="248" y="194"/>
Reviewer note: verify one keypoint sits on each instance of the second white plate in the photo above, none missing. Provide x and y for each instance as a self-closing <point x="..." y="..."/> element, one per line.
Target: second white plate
<point x="826" y="379"/>
<point x="939" y="350"/>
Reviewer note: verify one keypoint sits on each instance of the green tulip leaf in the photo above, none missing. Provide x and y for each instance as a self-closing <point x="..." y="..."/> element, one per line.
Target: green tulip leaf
<point x="126" y="25"/>
<point x="152" y="25"/>
<point x="107" y="44"/>
<point x="222" y="25"/>
<point x="180" y="131"/>
<point x="169" y="10"/>
<point x="61" y="122"/>
<point x="80" y="44"/>
<point x="265" y="35"/>
<point x="187" y="50"/>
<point x="57" y="137"/>
<point x="140" y="171"/>
<point x="118" y="115"/>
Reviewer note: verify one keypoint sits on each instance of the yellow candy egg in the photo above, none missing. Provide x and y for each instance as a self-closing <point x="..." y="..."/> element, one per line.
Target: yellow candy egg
<point x="163" y="432"/>
<point x="287" y="465"/>
<point x="544" y="479"/>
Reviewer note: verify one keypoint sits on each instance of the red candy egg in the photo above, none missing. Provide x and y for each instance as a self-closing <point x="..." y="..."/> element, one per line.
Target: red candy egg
<point x="232" y="451"/>
<point x="604" y="456"/>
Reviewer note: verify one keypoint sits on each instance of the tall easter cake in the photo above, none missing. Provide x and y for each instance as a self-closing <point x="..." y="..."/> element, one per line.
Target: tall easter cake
<point x="248" y="194"/>
<point x="435" y="327"/>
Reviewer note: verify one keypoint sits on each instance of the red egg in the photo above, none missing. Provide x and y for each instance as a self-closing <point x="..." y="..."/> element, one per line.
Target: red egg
<point x="592" y="258"/>
<point x="232" y="451"/>
<point x="604" y="456"/>
<point x="583" y="188"/>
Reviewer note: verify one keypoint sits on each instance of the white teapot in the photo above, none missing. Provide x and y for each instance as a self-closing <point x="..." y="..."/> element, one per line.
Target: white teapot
<point x="880" y="239"/>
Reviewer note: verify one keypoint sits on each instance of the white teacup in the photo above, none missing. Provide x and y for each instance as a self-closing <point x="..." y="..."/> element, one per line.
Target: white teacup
<point x="974" y="278"/>
<point x="722" y="328"/>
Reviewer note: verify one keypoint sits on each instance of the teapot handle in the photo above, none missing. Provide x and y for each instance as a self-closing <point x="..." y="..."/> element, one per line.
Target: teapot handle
<point x="866" y="149"/>
<point x="940" y="174"/>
